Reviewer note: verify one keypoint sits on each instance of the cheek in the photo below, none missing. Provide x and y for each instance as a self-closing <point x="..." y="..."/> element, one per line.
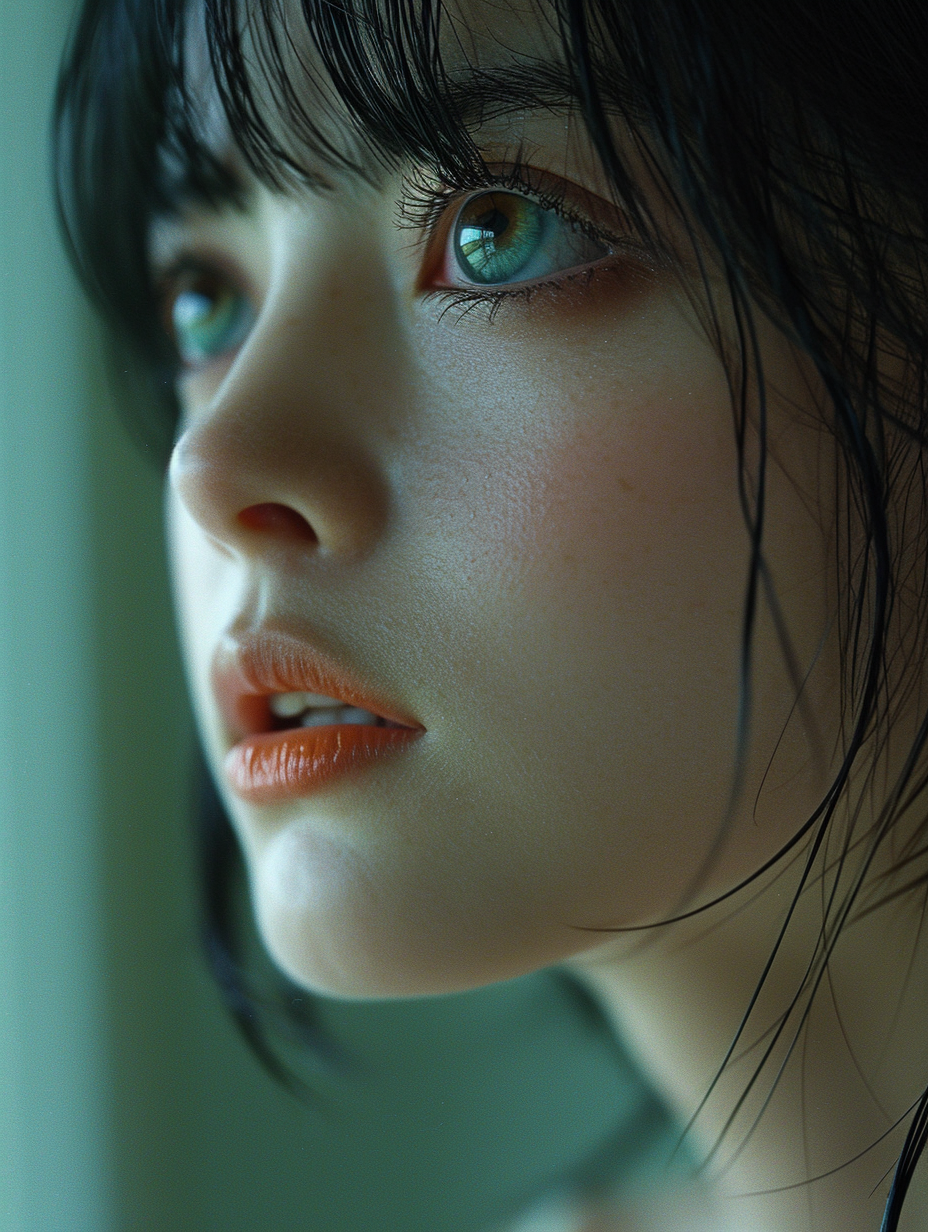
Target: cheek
<point x="598" y="497"/>
<point x="598" y="448"/>
<point x="593" y="561"/>
<point x="593" y="558"/>
<point x="636" y="506"/>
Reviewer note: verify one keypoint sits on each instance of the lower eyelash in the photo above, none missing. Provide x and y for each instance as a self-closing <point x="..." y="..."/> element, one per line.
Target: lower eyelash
<point x="424" y="202"/>
<point x="464" y="300"/>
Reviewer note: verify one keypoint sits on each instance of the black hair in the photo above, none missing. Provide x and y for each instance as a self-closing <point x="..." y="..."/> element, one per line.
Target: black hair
<point x="793" y="138"/>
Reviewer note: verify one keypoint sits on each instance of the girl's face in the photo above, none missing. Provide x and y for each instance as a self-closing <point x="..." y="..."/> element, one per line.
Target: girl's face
<point x="479" y="477"/>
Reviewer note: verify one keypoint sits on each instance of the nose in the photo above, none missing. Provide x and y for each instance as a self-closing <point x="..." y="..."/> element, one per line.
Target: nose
<point x="285" y="455"/>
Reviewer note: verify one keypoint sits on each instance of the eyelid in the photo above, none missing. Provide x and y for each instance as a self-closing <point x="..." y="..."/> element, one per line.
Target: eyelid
<point x="195" y="260"/>
<point x="565" y="196"/>
<point x="197" y="257"/>
<point x="434" y="209"/>
<point x="572" y="201"/>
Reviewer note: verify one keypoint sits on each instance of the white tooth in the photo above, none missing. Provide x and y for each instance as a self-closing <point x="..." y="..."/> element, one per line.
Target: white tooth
<point x="287" y="705"/>
<point x="337" y="715"/>
<point x="320" y="717"/>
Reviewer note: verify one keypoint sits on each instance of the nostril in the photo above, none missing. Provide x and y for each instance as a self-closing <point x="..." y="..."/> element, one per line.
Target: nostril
<point x="278" y="520"/>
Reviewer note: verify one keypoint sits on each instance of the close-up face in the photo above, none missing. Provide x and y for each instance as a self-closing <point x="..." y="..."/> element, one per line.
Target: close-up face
<point x="466" y="479"/>
<point x="543" y="393"/>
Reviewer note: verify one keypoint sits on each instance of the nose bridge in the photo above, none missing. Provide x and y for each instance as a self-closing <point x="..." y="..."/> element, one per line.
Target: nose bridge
<point x="295" y="424"/>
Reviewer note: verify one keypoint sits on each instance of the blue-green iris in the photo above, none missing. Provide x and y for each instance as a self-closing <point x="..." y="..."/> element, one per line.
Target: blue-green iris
<point x="496" y="236"/>
<point x="209" y="317"/>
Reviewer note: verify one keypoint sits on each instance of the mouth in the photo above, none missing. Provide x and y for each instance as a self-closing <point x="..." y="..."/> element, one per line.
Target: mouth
<point x="298" y="720"/>
<point x="289" y="710"/>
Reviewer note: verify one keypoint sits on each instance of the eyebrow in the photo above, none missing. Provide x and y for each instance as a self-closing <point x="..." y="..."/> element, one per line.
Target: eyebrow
<point x="216" y="176"/>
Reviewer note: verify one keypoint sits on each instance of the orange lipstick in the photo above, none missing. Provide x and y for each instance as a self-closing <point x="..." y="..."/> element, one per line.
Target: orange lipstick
<point x="274" y="766"/>
<point x="299" y="720"/>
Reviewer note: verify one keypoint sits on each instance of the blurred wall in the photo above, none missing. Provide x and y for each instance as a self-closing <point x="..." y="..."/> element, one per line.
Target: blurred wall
<point x="55" y="1121"/>
<point x="127" y="1101"/>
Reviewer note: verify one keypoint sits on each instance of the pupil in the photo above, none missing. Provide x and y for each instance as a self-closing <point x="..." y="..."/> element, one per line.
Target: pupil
<point x="494" y="222"/>
<point x="497" y="237"/>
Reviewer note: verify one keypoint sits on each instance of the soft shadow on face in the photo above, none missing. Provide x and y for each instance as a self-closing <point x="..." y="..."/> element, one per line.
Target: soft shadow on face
<point x="527" y="537"/>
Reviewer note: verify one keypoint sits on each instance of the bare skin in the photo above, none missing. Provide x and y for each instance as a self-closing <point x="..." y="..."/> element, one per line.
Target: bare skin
<point x="525" y="531"/>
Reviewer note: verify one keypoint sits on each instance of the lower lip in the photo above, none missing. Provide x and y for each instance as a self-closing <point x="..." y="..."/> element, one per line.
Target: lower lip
<point x="280" y="765"/>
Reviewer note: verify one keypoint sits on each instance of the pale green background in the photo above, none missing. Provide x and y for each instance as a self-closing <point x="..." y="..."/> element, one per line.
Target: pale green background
<point x="127" y="1102"/>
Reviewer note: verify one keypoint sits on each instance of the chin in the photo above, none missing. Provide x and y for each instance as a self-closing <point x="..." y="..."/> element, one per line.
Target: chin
<point x="361" y="962"/>
<point x="353" y="943"/>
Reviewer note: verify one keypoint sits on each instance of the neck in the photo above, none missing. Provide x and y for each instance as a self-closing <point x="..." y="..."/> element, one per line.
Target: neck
<point x="830" y="1088"/>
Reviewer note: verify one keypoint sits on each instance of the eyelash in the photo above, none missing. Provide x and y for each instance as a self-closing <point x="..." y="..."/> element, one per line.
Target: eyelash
<point x="425" y="203"/>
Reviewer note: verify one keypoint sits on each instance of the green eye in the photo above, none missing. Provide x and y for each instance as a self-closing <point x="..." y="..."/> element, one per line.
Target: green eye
<point x="502" y="237"/>
<point x="208" y="317"/>
<point x="496" y="235"/>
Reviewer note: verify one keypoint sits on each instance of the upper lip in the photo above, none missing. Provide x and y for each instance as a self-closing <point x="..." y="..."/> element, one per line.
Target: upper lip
<point x="249" y="668"/>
